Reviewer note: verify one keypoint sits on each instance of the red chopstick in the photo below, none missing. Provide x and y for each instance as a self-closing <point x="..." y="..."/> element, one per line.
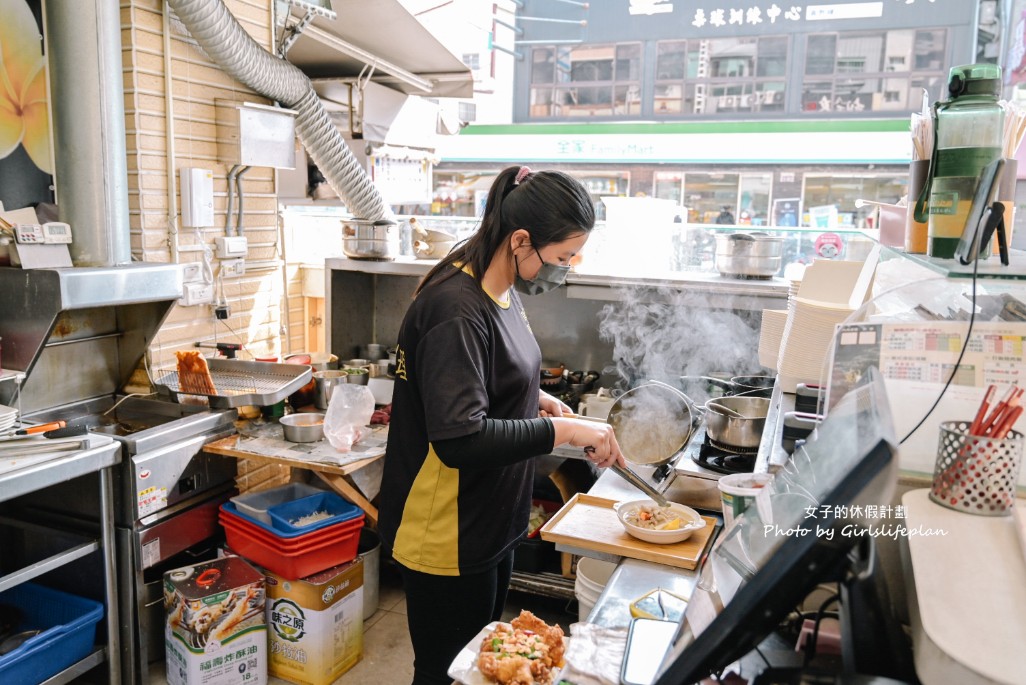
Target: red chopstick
<point x="1005" y="427"/>
<point x="974" y="428"/>
<point x="999" y="409"/>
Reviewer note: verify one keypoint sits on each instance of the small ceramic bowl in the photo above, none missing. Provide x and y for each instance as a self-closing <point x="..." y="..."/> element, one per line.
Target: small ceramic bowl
<point x="303" y="427"/>
<point x="690" y="521"/>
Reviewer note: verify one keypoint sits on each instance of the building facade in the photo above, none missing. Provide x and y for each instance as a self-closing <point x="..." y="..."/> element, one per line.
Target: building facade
<point x="754" y="110"/>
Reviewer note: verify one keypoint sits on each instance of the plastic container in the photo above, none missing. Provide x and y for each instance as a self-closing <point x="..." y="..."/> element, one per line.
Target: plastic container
<point x="256" y="504"/>
<point x="284" y="516"/>
<point x="738" y="491"/>
<point x="306" y="560"/>
<point x="592" y="576"/>
<point x="272" y="536"/>
<point x="68" y="623"/>
<point x="970" y="132"/>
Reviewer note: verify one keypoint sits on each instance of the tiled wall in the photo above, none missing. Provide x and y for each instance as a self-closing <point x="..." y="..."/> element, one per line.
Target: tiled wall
<point x="255" y="299"/>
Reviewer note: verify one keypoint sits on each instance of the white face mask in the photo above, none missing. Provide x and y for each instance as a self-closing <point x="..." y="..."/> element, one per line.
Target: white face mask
<point x="549" y="276"/>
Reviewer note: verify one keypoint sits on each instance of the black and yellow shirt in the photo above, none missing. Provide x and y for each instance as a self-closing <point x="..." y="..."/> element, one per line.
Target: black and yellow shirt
<point x="462" y="357"/>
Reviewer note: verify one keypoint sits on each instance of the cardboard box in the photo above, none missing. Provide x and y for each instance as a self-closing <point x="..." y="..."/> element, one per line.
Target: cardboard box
<point x="216" y="632"/>
<point x="315" y="624"/>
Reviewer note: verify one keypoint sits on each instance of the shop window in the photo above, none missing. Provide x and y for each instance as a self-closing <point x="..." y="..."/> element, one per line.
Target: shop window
<point x="720" y="75"/>
<point x="711" y="197"/>
<point x="841" y="191"/>
<point x="586" y="81"/>
<point x="868" y="71"/>
<point x="668" y="185"/>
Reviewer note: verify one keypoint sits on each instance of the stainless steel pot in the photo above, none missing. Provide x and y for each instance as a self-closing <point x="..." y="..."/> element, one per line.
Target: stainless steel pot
<point x="725" y="427"/>
<point x="753" y="254"/>
<point x="363" y="239"/>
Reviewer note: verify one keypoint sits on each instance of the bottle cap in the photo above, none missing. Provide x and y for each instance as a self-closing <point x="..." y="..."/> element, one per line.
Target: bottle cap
<point x="974" y="79"/>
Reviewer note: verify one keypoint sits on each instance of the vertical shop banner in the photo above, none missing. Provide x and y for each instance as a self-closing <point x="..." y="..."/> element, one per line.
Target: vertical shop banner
<point x="25" y="142"/>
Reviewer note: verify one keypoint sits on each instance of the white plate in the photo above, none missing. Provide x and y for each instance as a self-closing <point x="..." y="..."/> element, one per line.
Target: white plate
<point x="464" y="667"/>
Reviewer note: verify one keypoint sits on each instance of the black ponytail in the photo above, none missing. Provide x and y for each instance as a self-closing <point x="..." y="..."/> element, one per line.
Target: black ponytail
<point x="551" y="205"/>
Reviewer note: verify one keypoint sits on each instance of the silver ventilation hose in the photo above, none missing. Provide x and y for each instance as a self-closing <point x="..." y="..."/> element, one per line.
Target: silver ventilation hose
<point x="242" y="58"/>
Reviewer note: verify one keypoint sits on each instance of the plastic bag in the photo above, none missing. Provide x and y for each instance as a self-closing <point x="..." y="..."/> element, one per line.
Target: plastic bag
<point x="349" y="412"/>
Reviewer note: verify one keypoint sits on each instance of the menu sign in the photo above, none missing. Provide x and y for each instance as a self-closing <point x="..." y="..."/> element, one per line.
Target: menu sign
<point x="917" y="360"/>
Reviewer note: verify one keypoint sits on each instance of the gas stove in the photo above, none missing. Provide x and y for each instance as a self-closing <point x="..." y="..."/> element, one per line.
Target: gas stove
<point x="708" y="459"/>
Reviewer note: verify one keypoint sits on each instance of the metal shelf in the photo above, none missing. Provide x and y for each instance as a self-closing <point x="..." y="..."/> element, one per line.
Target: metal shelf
<point x="96" y="657"/>
<point x="544" y="584"/>
<point x="102" y="454"/>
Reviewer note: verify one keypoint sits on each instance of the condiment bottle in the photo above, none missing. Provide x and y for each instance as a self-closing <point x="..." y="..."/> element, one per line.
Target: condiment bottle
<point x="969" y="128"/>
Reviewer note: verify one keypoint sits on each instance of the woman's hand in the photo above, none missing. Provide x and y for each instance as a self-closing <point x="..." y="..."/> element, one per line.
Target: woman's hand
<point x="550" y="406"/>
<point x="596" y="438"/>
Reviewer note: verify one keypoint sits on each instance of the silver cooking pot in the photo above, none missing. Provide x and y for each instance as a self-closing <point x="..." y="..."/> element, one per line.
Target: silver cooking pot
<point x="364" y="239"/>
<point x="754" y="254"/>
<point x="736" y="422"/>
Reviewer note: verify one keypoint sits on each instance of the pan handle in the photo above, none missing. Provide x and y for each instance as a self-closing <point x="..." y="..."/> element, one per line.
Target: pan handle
<point x="641" y="484"/>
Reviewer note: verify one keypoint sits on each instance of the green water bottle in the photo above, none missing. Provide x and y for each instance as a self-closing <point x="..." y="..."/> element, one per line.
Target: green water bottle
<point x="968" y="134"/>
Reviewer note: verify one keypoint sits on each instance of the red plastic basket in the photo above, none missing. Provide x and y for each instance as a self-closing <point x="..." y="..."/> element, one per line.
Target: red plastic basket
<point x="290" y="544"/>
<point x="340" y="547"/>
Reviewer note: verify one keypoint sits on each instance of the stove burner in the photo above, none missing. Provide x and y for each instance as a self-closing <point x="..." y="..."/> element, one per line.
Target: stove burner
<point x="723" y="459"/>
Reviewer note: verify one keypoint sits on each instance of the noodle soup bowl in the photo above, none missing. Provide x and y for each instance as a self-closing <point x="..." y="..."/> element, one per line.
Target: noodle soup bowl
<point x="689" y="521"/>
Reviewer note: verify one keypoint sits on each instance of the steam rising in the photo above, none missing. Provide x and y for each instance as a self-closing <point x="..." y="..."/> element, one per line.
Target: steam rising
<point x="662" y="335"/>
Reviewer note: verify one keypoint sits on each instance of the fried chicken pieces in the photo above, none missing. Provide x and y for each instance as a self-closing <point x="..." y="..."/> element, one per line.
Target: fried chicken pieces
<point x="523" y="652"/>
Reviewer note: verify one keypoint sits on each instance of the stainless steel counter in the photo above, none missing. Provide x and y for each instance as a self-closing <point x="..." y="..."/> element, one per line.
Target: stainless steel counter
<point x="28" y="474"/>
<point x="31" y="474"/>
<point x="633" y="578"/>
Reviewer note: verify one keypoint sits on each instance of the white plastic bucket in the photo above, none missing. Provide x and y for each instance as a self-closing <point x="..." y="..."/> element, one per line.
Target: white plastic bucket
<point x="738" y="491"/>
<point x="592" y="576"/>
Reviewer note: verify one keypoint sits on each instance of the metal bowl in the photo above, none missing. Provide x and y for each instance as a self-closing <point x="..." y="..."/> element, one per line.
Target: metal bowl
<point x="303" y="427"/>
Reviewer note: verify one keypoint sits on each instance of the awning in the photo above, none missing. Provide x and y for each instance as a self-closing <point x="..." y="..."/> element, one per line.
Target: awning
<point x="382" y="34"/>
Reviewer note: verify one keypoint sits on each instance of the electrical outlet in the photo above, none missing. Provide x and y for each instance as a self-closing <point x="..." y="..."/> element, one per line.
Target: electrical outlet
<point x="232" y="268"/>
<point x="192" y="273"/>
<point x="197" y="293"/>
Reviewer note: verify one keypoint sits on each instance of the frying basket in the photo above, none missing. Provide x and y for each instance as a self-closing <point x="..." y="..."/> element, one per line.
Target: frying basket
<point x="976" y="474"/>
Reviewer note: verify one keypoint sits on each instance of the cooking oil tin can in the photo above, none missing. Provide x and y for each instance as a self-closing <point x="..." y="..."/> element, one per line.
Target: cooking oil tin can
<point x="216" y="632"/>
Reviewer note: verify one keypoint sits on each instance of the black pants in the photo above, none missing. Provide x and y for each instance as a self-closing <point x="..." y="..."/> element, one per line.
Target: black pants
<point x="446" y="612"/>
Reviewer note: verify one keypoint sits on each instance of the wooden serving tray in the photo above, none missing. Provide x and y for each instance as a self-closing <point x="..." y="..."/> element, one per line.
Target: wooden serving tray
<point x="589" y="522"/>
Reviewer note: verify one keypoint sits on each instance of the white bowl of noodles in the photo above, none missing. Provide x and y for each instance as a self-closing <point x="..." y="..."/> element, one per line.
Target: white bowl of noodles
<point x="646" y="520"/>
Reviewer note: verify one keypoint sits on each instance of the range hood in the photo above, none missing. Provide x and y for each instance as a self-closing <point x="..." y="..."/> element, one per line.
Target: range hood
<point x="79" y="333"/>
<point x="382" y="35"/>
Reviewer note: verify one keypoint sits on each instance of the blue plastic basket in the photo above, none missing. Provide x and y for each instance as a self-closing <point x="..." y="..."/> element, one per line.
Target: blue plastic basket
<point x="68" y="623"/>
<point x="337" y="508"/>
<point x="273" y="528"/>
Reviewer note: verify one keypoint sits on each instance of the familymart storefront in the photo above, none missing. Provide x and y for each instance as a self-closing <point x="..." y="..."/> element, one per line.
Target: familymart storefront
<point x="766" y="173"/>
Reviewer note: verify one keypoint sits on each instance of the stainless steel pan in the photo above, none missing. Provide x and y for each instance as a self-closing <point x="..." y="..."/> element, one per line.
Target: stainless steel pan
<point x="736" y="422"/>
<point x="653" y="423"/>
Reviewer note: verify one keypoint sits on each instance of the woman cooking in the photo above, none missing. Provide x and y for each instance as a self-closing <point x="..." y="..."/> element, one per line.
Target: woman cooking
<point x="468" y="415"/>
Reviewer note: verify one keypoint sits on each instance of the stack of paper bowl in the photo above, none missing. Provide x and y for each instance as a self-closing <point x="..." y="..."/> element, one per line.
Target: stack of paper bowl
<point x="304" y="536"/>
